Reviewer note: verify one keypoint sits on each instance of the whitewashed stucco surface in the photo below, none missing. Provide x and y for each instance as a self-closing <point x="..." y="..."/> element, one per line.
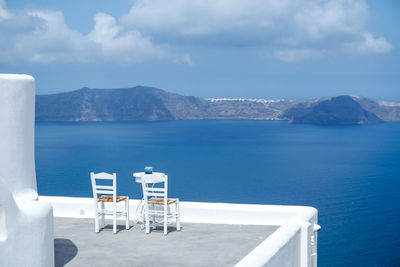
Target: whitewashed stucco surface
<point x="290" y="245"/>
<point x="26" y="225"/>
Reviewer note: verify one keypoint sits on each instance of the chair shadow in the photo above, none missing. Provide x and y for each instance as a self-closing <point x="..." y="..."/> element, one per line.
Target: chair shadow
<point x="170" y="229"/>
<point x="109" y="227"/>
<point x="64" y="251"/>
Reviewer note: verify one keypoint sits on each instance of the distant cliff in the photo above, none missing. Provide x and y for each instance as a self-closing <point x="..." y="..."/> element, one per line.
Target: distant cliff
<point x="152" y="104"/>
<point x="337" y="110"/>
<point x="137" y="103"/>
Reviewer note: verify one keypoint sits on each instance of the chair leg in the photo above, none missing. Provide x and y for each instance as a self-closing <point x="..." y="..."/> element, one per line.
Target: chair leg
<point x="146" y="215"/>
<point x="178" y="216"/>
<point x="127" y="214"/>
<point x="103" y="221"/>
<point x="96" y="222"/>
<point x="142" y="219"/>
<point x="115" y="220"/>
<point x="152" y="222"/>
<point x="165" y="219"/>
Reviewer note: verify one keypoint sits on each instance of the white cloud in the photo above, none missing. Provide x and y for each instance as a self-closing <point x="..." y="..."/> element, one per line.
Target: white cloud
<point x="115" y="42"/>
<point x="322" y="19"/>
<point x="291" y="55"/>
<point x="43" y="36"/>
<point x="369" y="44"/>
<point x="4" y="14"/>
<point x="203" y="17"/>
<point x="49" y="39"/>
<point x="289" y="29"/>
<point x="185" y="59"/>
<point x="313" y="18"/>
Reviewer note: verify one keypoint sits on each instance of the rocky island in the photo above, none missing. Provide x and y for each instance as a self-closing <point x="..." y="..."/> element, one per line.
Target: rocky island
<point x="153" y="104"/>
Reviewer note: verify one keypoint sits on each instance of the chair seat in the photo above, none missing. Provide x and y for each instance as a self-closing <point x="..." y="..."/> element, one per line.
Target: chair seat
<point x="160" y="201"/>
<point x="110" y="198"/>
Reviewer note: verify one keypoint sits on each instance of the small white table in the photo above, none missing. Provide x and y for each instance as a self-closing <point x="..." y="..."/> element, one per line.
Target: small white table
<point x="155" y="177"/>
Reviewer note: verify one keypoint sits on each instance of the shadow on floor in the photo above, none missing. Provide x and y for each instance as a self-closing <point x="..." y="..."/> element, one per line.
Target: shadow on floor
<point x="109" y="227"/>
<point x="64" y="251"/>
<point x="159" y="228"/>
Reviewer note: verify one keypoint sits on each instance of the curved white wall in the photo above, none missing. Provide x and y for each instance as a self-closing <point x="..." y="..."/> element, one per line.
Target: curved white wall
<point x="293" y="244"/>
<point x="26" y="225"/>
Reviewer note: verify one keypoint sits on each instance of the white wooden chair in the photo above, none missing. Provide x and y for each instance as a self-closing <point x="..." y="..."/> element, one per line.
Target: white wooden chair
<point x="157" y="203"/>
<point x="108" y="194"/>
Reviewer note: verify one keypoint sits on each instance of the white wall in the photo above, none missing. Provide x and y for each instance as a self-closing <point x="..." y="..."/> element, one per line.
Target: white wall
<point x="198" y="212"/>
<point x="289" y="255"/>
<point x="289" y="245"/>
<point x="26" y="225"/>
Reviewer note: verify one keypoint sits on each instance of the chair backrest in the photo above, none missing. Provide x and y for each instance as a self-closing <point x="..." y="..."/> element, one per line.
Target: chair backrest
<point x="155" y="187"/>
<point x="98" y="188"/>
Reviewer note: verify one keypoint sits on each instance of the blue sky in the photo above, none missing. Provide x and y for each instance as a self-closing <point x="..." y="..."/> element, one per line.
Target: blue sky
<point x="207" y="48"/>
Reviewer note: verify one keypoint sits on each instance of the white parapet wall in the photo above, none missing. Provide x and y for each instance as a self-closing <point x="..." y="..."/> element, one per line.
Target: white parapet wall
<point x="294" y="243"/>
<point x="26" y="225"/>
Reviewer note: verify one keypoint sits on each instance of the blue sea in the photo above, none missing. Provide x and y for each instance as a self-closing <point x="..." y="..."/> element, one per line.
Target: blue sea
<point x="351" y="174"/>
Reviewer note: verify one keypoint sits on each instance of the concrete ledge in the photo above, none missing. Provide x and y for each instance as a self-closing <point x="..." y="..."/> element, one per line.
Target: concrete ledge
<point x="294" y="243"/>
<point x="196" y="212"/>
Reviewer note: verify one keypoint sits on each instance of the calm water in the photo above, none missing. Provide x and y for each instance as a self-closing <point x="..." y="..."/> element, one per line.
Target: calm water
<point x="350" y="174"/>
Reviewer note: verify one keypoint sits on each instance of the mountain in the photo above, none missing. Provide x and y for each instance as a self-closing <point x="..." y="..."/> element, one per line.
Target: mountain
<point x="152" y="104"/>
<point x="337" y="110"/>
<point x="137" y="103"/>
<point x="144" y="103"/>
<point x="387" y="111"/>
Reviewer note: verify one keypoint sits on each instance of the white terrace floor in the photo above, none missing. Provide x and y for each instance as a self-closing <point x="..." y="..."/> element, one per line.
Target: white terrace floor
<point x="197" y="244"/>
